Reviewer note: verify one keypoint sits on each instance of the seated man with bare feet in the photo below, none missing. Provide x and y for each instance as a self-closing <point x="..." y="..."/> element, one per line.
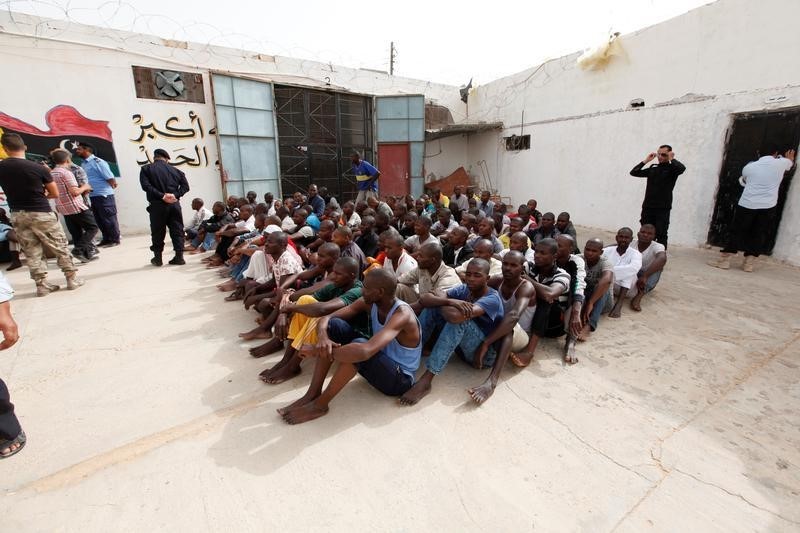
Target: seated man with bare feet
<point x="387" y="360"/>
<point x="279" y="264"/>
<point x="520" y="242"/>
<point x="550" y="282"/>
<point x="206" y="236"/>
<point x="307" y="282"/>
<point x="627" y="261"/>
<point x="430" y="274"/>
<point x="301" y="328"/>
<point x="516" y="293"/>
<point x="654" y="257"/>
<point x="226" y="235"/>
<point x="482" y="249"/>
<point x="463" y="317"/>
<point x="598" y="297"/>
<point x="571" y="302"/>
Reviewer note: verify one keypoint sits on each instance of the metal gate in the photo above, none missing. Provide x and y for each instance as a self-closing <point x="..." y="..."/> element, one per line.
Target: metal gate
<point x="317" y="132"/>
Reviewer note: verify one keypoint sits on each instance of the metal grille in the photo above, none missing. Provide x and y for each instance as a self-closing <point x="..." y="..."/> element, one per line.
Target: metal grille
<point x="317" y="132"/>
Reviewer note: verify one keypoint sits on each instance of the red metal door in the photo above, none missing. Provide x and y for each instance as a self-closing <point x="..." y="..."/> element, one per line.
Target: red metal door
<point x="394" y="163"/>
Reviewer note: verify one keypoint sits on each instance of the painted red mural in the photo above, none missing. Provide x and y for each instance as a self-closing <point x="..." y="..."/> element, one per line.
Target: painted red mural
<point x="67" y="127"/>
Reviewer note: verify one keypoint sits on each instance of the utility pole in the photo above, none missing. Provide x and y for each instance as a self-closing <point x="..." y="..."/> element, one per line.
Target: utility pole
<point x="391" y="58"/>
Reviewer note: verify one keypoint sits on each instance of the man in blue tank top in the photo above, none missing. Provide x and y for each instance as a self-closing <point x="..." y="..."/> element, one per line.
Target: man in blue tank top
<point x="387" y="360"/>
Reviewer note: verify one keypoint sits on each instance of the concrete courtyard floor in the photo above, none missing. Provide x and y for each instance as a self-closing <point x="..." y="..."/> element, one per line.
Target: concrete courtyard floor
<point x="144" y="412"/>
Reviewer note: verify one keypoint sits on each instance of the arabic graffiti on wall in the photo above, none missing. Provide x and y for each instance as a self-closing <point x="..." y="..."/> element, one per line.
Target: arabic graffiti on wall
<point x="185" y="139"/>
<point x="66" y="128"/>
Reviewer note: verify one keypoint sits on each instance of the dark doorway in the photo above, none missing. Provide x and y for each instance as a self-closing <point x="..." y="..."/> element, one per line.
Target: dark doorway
<point x="317" y="132"/>
<point x="748" y="133"/>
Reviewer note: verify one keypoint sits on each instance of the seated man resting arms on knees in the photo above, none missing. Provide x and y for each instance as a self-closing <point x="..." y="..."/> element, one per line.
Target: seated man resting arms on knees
<point x="598" y="295"/>
<point x="549" y="282"/>
<point x="654" y="257"/>
<point x="387" y="360"/>
<point x="460" y="318"/>
<point x="301" y="329"/>
<point x="627" y="262"/>
<point x="512" y="333"/>
<point x="430" y="275"/>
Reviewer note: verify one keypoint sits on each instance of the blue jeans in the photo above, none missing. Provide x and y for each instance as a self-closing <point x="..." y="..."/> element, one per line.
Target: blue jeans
<point x="599" y="306"/>
<point x="466" y="335"/>
<point x="380" y="370"/>
<point x="237" y="272"/>
<point x="652" y="280"/>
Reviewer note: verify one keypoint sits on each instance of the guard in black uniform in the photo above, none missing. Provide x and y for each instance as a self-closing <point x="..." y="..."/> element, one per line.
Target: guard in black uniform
<point x="164" y="185"/>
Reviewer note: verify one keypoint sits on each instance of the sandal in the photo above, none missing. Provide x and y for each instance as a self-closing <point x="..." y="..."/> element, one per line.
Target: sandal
<point x="19" y="441"/>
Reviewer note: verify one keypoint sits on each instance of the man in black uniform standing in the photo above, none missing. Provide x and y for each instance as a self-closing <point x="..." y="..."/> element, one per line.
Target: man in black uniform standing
<point x="164" y="185"/>
<point x="661" y="180"/>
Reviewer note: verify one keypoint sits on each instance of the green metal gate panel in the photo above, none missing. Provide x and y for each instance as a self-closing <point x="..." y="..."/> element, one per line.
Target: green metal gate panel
<point x="246" y="133"/>
<point x="401" y="119"/>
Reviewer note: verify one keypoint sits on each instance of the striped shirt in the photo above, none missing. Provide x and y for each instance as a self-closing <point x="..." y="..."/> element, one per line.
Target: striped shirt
<point x="66" y="204"/>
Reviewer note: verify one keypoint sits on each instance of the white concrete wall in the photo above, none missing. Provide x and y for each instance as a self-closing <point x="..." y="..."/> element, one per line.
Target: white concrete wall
<point x="444" y="156"/>
<point x="584" y="140"/>
<point x="90" y="69"/>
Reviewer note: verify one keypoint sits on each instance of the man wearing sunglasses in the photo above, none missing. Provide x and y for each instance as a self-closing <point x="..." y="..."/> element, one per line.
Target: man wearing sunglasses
<point x="661" y="179"/>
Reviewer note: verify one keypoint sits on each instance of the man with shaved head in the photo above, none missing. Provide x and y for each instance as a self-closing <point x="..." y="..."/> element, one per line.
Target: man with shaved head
<point x="431" y="274"/>
<point x="298" y="319"/>
<point x="549" y="282"/>
<point x="387" y="360"/>
<point x="483" y="249"/>
<point x="598" y="295"/>
<point x="397" y="261"/>
<point x="462" y="317"/>
<point x="520" y="242"/>
<point x="627" y="261"/>
<point x="654" y="257"/>
<point x="571" y="302"/>
<point x="457" y="251"/>
<point x="516" y="293"/>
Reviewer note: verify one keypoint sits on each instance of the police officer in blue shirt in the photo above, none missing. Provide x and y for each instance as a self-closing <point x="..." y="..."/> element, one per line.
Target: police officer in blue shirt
<point x="103" y="183"/>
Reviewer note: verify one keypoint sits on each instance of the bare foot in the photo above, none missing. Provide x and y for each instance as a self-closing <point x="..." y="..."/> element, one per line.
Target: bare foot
<point x="308" y="412"/>
<point x="284" y="373"/>
<point x="197" y="251"/>
<point x="636" y="303"/>
<point x="307" y="398"/>
<point x="420" y="389"/>
<point x="585" y="333"/>
<point x="257" y="333"/>
<point x="227" y="286"/>
<point x="268" y="348"/>
<point x="482" y="392"/>
<point x="570" y="357"/>
<point x="233" y="297"/>
<point x="521" y="359"/>
<point x="616" y="312"/>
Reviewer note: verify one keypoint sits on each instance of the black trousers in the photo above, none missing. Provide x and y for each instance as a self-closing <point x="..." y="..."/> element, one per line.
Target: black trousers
<point x="222" y="248"/>
<point x="548" y="320"/>
<point x="83" y="229"/>
<point x="748" y="230"/>
<point x="105" y="214"/>
<point x="660" y="219"/>
<point x="163" y="216"/>
<point x="9" y="425"/>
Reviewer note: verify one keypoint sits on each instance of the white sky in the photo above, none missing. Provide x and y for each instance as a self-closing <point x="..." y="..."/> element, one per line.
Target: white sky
<point x="443" y="41"/>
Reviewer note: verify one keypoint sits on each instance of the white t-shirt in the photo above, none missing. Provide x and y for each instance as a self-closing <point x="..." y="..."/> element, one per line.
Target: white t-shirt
<point x="626" y="266"/>
<point x="354" y="221"/>
<point x="762" y="182"/>
<point x="649" y="255"/>
<point x="249" y="224"/>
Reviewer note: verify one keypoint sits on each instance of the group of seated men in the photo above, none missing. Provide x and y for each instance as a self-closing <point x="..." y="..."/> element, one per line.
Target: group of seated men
<point x="374" y="286"/>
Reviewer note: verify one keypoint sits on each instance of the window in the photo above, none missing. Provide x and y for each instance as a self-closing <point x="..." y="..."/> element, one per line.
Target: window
<point x="516" y="143"/>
